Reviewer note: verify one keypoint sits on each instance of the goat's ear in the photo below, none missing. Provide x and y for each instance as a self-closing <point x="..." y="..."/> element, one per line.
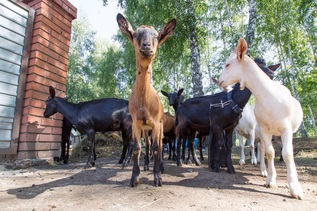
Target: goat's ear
<point x="52" y="92"/>
<point x="164" y="93"/>
<point x="167" y="31"/>
<point x="180" y="91"/>
<point x="125" y="27"/>
<point x="274" y="66"/>
<point x="241" y="49"/>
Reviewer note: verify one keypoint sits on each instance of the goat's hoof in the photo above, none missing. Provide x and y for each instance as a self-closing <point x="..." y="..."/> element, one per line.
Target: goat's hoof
<point x="120" y="161"/>
<point x="270" y="184"/>
<point x="296" y="191"/>
<point x="216" y="170"/>
<point x="231" y="170"/>
<point x="157" y="180"/>
<point x="254" y="161"/>
<point x="242" y="162"/>
<point x="197" y="163"/>
<point x="180" y="163"/>
<point x="134" y="182"/>
<point x="146" y="168"/>
<point x="264" y="173"/>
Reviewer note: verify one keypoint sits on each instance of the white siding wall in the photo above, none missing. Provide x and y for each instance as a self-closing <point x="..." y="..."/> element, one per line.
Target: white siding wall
<point x="13" y="23"/>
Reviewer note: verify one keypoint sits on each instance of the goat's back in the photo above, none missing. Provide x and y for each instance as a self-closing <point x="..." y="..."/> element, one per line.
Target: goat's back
<point x="102" y="115"/>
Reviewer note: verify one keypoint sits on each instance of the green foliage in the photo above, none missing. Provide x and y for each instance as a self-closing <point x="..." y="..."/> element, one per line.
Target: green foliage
<point x="285" y="32"/>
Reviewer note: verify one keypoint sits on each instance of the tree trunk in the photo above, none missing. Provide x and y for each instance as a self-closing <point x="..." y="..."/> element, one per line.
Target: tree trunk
<point x="313" y="119"/>
<point x="252" y="23"/>
<point x="195" y="65"/>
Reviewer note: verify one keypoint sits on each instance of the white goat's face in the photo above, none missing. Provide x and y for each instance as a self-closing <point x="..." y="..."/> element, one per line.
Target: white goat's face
<point x="230" y="73"/>
<point x="233" y="69"/>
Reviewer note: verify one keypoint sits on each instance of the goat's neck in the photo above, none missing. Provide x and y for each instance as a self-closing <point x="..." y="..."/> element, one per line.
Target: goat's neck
<point x="68" y="109"/>
<point x="258" y="82"/>
<point x="143" y="78"/>
<point x="241" y="97"/>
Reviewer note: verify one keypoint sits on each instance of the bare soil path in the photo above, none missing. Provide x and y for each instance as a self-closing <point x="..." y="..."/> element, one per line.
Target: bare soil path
<point x="106" y="187"/>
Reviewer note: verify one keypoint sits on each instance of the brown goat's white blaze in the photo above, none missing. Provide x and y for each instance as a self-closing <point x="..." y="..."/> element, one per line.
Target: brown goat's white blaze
<point x="276" y="111"/>
<point x="145" y="106"/>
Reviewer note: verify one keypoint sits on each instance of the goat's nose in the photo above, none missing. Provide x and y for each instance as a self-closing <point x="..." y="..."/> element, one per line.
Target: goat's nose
<point x="146" y="44"/>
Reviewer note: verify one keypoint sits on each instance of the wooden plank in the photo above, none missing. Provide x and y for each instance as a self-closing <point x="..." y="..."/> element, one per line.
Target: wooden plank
<point x="4" y="145"/>
<point x="9" y="67"/>
<point x="11" y="35"/>
<point x="14" y="7"/>
<point x="5" y="126"/>
<point x="7" y="120"/>
<point x="9" y="89"/>
<point x="5" y="22"/>
<point x="12" y="14"/>
<point x="7" y="100"/>
<point x="9" y="78"/>
<point x="7" y="46"/>
<point x="6" y="111"/>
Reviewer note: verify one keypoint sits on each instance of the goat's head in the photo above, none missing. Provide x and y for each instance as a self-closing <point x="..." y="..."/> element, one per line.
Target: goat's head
<point x="232" y="69"/>
<point x="51" y="104"/>
<point x="174" y="98"/>
<point x="145" y="39"/>
<point x="237" y="62"/>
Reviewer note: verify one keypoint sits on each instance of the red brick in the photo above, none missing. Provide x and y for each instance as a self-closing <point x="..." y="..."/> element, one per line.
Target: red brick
<point x="52" y="122"/>
<point x="57" y="63"/>
<point x="29" y="137"/>
<point x="49" y="138"/>
<point x="26" y="119"/>
<point x="26" y="155"/>
<point x="34" y="103"/>
<point x="47" y="154"/>
<point x="55" y="146"/>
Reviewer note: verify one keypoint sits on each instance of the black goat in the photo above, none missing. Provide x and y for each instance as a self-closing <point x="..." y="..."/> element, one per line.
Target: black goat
<point x="176" y="99"/>
<point x="100" y="115"/>
<point x="169" y="137"/>
<point x="193" y="116"/>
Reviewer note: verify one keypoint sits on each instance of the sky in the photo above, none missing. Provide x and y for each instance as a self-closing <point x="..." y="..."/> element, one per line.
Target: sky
<point x="102" y="19"/>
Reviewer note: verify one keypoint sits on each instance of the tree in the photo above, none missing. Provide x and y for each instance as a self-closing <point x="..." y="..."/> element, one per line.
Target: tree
<point x="78" y="84"/>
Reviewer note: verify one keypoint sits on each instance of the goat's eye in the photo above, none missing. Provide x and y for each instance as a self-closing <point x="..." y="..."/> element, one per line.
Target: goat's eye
<point x="227" y="65"/>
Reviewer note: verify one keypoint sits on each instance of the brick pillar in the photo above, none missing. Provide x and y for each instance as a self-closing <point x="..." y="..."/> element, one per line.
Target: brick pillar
<point x="40" y="137"/>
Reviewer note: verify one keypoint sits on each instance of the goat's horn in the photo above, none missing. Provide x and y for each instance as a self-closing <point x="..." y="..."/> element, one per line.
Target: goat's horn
<point x="59" y="93"/>
<point x="215" y="80"/>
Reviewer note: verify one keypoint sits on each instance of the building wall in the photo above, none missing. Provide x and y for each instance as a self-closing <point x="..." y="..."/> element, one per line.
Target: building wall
<point x="48" y="60"/>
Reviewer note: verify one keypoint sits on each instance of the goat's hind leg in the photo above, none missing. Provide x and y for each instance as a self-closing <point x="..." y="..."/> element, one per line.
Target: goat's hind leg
<point x="287" y="152"/>
<point x="191" y="139"/>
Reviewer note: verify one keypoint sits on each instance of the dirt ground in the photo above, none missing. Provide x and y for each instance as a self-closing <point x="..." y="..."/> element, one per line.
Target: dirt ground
<point x="56" y="186"/>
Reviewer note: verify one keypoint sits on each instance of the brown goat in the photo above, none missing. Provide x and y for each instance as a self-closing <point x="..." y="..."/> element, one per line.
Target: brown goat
<point x="145" y="106"/>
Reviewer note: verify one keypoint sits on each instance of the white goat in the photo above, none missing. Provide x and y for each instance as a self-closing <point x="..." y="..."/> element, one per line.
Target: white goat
<point x="276" y="111"/>
<point x="247" y="128"/>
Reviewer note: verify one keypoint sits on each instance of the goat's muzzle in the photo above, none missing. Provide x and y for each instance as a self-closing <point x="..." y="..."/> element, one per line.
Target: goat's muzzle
<point x="146" y="53"/>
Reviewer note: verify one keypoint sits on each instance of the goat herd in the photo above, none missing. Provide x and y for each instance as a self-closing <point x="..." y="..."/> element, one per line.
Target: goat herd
<point x="276" y="111"/>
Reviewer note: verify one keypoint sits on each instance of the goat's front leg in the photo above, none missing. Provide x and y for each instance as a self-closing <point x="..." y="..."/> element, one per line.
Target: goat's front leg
<point x="287" y="152"/>
<point x="270" y="153"/>
<point x="157" y="134"/>
<point x="242" y="154"/>
<point x="136" y="156"/>
<point x="228" y="140"/>
<point x="91" y="149"/>
<point x="125" y="147"/>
